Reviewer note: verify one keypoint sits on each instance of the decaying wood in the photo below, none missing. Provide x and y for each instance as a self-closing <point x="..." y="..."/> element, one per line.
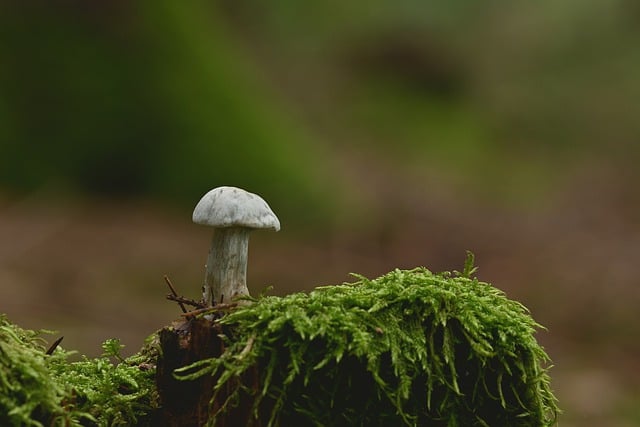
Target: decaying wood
<point x="188" y="403"/>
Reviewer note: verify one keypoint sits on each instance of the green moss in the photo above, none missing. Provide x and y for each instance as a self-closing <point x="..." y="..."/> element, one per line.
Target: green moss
<point x="27" y="390"/>
<point x="409" y="348"/>
<point x="37" y="389"/>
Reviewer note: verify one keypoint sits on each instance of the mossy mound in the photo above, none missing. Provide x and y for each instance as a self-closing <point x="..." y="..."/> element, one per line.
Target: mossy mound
<point x="37" y="389"/>
<point x="409" y="348"/>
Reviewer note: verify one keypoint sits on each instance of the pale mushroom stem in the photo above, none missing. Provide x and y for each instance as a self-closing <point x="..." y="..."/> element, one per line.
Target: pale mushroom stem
<point x="226" y="275"/>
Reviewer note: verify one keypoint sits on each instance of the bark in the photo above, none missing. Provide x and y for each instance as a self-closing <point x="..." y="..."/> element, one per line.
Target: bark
<point x="188" y="403"/>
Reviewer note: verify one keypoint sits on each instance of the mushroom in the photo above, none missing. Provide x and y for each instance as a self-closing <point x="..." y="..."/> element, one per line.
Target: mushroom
<point x="233" y="213"/>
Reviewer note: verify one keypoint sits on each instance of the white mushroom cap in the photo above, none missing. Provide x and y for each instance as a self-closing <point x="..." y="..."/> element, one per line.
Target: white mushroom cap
<point x="234" y="207"/>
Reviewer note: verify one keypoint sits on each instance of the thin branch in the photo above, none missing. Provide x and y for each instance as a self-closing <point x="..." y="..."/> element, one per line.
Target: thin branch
<point x="175" y="294"/>
<point x="187" y="301"/>
<point x="215" y="308"/>
<point x="53" y="346"/>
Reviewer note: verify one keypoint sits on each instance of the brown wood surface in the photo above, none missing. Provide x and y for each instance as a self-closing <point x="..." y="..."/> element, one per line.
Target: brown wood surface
<point x="188" y="403"/>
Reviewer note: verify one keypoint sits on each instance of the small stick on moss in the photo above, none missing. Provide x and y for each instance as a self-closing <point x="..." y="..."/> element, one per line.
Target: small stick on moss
<point x="175" y="294"/>
<point x="218" y="307"/>
<point x="186" y="301"/>
<point x="53" y="346"/>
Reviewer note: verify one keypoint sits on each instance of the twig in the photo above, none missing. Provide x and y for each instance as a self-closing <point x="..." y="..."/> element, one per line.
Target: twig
<point x="175" y="294"/>
<point x="187" y="301"/>
<point x="218" y="307"/>
<point x="53" y="346"/>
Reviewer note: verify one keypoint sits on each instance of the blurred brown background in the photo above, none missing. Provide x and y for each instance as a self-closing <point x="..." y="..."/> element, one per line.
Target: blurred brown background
<point x="383" y="134"/>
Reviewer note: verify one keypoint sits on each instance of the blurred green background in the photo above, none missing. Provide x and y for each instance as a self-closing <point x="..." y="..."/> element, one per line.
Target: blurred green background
<point x="383" y="134"/>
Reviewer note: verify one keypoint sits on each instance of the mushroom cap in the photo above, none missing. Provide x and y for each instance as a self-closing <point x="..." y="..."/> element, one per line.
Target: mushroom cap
<point x="234" y="207"/>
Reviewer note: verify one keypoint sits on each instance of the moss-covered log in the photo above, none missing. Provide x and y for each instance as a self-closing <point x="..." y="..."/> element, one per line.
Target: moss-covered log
<point x="408" y="348"/>
<point x="189" y="403"/>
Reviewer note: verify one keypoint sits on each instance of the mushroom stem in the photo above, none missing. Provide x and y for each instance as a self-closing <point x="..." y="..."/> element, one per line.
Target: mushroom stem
<point x="226" y="275"/>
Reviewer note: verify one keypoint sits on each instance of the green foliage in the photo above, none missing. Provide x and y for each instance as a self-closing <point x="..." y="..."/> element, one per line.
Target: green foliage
<point x="411" y="347"/>
<point x="112" y="348"/>
<point x="110" y="115"/>
<point x="27" y="390"/>
<point x="38" y="389"/>
<point x="114" y="394"/>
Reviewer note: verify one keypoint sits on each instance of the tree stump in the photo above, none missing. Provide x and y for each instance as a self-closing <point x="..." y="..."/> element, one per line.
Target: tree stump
<point x="188" y="403"/>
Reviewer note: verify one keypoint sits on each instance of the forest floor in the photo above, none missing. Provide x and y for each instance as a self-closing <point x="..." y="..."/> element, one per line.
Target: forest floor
<point x="94" y="270"/>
